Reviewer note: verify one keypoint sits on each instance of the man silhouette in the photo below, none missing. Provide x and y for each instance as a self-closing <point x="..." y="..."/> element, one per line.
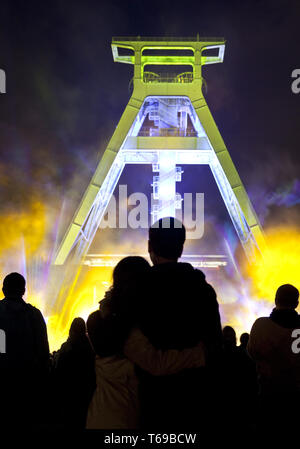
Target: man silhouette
<point x="271" y="346"/>
<point x="178" y="309"/>
<point x="24" y="365"/>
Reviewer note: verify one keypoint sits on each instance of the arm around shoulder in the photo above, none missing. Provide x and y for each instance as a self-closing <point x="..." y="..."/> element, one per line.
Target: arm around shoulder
<point x="139" y="350"/>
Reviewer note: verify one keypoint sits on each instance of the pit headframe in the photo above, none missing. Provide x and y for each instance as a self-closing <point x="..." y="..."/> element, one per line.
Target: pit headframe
<point x="167" y="100"/>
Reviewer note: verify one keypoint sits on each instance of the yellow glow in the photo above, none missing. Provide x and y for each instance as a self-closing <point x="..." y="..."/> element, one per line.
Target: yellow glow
<point x="279" y="265"/>
<point x="24" y="233"/>
<point x="83" y="298"/>
<point x="23" y="237"/>
<point x="255" y="295"/>
<point x="28" y="226"/>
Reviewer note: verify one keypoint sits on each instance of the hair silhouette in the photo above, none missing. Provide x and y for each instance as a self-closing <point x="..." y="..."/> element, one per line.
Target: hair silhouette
<point x="287" y="296"/>
<point x="14" y="285"/>
<point x="167" y="237"/>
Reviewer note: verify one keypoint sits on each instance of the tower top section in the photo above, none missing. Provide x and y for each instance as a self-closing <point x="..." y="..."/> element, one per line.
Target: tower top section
<point x="168" y="50"/>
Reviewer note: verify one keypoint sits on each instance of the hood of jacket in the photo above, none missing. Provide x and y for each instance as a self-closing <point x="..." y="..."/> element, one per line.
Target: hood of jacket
<point x="287" y="318"/>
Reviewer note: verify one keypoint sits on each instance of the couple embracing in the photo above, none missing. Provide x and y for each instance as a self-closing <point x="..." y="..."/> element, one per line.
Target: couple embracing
<point x="157" y="338"/>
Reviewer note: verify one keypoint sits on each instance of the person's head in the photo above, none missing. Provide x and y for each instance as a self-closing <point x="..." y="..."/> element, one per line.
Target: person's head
<point x="229" y="336"/>
<point x="127" y="277"/>
<point x="287" y="297"/>
<point x="77" y="328"/>
<point x="14" y="285"/>
<point x="129" y="269"/>
<point x="125" y="300"/>
<point x="166" y="240"/>
<point x="244" y="338"/>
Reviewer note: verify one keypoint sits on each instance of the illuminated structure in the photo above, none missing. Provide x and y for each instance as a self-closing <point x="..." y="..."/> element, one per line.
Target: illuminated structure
<point x="166" y="123"/>
<point x="201" y="261"/>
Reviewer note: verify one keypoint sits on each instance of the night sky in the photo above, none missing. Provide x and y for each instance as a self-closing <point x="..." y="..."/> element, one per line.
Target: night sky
<point x="65" y="94"/>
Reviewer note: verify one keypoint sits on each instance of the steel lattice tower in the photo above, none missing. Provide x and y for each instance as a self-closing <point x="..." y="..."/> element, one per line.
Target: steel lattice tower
<point x="183" y="131"/>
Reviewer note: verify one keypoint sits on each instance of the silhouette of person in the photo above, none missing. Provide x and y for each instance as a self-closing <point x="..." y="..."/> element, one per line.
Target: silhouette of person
<point x="179" y="309"/>
<point x="229" y="339"/>
<point x="74" y="377"/>
<point x="238" y="380"/>
<point x="109" y="327"/>
<point x="230" y="360"/>
<point x="24" y="367"/>
<point x="244" y="338"/>
<point x="230" y="363"/>
<point x="115" y="402"/>
<point x="273" y="347"/>
<point x="247" y="365"/>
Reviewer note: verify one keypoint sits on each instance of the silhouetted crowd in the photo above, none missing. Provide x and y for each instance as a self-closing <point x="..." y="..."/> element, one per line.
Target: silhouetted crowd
<point x="153" y="356"/>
